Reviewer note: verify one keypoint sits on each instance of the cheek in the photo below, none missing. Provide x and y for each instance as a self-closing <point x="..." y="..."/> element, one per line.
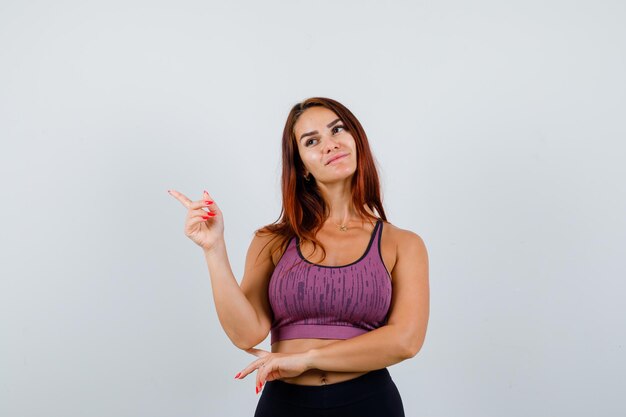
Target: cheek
<point x="349" y="141"/>
<point x="307" y="157"/>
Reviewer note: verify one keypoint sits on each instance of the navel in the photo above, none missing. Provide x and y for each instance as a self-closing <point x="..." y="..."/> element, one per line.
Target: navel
<point x="323" y="379"/>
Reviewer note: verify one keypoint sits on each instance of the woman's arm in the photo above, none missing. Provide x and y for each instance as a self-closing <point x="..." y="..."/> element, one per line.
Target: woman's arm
<point x="403" y="335"/>
<point x="242" y="311"/>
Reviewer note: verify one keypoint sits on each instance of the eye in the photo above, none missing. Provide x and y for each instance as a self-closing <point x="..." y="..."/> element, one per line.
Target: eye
<point x="306" y="142"/>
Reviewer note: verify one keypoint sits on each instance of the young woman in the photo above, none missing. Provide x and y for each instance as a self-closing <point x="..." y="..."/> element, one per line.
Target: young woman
<point x="343" y="292"/>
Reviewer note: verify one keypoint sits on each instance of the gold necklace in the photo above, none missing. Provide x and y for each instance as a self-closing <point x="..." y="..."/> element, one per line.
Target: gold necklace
<point x="342" y="227"/>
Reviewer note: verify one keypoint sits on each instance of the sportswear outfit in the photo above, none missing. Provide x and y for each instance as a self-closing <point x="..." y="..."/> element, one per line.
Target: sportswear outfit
<point x="330" y="302"/>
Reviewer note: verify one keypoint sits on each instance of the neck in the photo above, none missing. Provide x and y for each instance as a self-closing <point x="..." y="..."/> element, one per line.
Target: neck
<point x="341" y="210"/>
<point x="338" y="197"/>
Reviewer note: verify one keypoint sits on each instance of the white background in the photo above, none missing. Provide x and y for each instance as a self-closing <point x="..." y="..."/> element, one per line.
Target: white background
<point x="498" y="127"/>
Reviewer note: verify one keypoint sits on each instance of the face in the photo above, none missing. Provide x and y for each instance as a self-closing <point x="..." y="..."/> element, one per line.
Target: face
<point x="322" y="136"/>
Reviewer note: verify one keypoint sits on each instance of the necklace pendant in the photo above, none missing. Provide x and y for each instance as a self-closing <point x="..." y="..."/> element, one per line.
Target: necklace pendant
<point x="343" y="228"/>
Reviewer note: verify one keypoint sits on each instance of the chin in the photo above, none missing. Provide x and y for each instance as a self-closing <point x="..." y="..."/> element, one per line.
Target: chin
<point x="338" y="178"/>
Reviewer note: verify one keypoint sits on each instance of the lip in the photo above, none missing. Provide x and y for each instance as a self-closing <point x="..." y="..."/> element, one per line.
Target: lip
<point x="334" y="158"/>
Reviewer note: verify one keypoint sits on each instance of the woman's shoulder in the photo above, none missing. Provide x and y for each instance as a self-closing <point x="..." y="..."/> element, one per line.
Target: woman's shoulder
<point x="400" y="236"/>
<point x="273" y="243"/>
<point x="399" y="243"/>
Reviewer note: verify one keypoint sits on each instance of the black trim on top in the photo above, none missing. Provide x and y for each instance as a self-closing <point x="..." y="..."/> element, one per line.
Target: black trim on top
<point x="380" y="252"/>
<point x="378" y="223"/>
<point x="284" y="252"/>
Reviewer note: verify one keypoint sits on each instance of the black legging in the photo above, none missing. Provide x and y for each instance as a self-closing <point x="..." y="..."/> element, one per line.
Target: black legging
<point x="371" y="394"/>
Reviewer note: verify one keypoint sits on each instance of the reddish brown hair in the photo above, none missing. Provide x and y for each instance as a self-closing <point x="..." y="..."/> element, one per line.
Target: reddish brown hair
<point x="304" y="210"/>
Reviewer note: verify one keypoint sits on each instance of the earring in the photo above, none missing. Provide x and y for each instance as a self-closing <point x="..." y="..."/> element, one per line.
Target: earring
<point x="307" y="177"/>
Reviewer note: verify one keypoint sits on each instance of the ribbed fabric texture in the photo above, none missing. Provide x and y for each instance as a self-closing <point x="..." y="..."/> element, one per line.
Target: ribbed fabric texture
<point x="329" y="302"/>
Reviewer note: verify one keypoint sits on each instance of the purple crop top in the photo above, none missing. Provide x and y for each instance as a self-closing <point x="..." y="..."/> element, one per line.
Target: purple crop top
<point x="311" y="301"/>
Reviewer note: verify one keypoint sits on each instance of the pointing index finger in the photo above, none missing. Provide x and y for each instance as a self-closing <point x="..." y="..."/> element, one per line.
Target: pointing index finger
<point x="180" y="197"/>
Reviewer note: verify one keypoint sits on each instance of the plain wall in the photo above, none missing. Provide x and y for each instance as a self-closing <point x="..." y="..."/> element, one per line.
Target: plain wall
<point x="499" y="131"/>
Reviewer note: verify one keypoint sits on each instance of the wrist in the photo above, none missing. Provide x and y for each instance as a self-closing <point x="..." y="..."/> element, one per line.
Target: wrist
<point x="217" y="247"/>
<point x="310" y="357"/>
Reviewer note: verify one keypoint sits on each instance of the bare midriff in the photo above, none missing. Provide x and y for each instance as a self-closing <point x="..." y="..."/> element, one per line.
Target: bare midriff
<point x="312" y="376"/>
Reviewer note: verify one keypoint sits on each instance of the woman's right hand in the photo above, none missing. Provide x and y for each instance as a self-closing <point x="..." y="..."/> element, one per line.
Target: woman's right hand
<point x="205" y="228"/>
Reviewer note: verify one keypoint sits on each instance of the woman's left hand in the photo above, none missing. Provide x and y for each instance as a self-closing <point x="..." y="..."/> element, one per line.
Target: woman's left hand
<point x="275" y="365"/>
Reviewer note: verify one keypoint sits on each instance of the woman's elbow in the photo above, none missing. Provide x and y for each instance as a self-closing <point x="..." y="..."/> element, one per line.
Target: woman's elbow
<point x="412" y="346"/>
<point x="250" y="342"/>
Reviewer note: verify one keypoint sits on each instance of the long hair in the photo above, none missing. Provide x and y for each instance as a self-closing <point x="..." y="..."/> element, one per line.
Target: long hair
<point x="304" y="210"/>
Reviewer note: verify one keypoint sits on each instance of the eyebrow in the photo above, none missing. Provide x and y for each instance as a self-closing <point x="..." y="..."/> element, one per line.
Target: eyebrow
<point x="329" y="125"/>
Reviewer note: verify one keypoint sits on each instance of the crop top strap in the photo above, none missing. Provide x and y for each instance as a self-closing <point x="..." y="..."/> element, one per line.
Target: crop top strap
<point x="375" y="246"/>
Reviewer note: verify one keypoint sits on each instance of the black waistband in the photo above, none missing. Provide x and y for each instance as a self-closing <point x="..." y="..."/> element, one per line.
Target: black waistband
<point x="331" y="395"/>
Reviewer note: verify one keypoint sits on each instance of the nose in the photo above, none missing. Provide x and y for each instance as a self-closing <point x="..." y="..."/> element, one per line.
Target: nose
<point x="330" y="143"/>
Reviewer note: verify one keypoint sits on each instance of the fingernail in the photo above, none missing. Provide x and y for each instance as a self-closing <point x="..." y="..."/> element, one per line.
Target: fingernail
<point x="205" y="217"/>
<point x="207" y="202"/>
<point x="206" y="192"/>
<point x="237" y="376"/>
<point x="257" y="390"/>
